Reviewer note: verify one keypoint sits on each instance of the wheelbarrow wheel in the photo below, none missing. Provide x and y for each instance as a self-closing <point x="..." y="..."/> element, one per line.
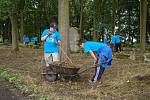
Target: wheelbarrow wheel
<point x="50" y="76"/>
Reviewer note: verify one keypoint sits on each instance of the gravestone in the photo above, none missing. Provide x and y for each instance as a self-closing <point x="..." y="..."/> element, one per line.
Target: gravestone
<point x="74" y="38"/>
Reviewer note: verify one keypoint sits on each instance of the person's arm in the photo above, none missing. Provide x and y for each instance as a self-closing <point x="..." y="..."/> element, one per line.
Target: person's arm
<point x="46" y="36"/>
<point x="58" y="39"/>
<point x="94" y="57"/>
<point x="121" y="36"/>
<point x="59" y="43"/>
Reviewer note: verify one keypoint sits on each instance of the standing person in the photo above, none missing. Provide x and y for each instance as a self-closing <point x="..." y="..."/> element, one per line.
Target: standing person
<point x="52" y="41"/>
<point x="101" y="61"/>
<point x="34" y="40"/>
<point x="105" y="36"/>
<point x="117" y="41"/>
<point x="112" y="42"/>
<point x="26" y="40"/>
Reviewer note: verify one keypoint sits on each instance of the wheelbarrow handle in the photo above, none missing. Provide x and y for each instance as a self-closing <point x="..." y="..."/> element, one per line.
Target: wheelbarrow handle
<point x="86" y="70"/>
<point x="66" y="55"/>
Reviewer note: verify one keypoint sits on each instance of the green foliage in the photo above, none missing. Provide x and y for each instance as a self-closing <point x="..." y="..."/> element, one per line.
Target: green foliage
<point x="6" y="7"/>
<point x="135" y="45"/>
<point x="106" y="13"/>
<point x="59" y="98"/>
<point x="148" y="47"/>
<point x="13" y="78"/>
<point x="102" y="14"/>
<point x="29" y="89"/>
<point x="42" y="98"/>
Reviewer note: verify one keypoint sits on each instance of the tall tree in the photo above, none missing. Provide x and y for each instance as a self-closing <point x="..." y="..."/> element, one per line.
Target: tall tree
<point x="10" y="9"/>
<point x="63" y="20"/>
<point x="143" y="17"/>
<point x="22" y="4"/>
<point x="81" y="16"/>
<point x="114" y="10"/>
<point x="97" y="16"/>
<point x="13" y="19"/>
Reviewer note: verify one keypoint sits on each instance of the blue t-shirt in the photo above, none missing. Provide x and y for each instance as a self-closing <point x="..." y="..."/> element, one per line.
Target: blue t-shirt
<point x="102" y="49"/>
<point x="113" y="39"/>
<point x="117" y="38"/>
<point x="34" y="39"/>
<point x="26" y="39"/>
<point x="50" y="44"/>
<point x="92" y="46"/>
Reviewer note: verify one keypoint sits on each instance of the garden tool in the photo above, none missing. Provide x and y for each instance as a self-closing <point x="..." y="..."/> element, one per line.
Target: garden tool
<point x="66" y="55"/>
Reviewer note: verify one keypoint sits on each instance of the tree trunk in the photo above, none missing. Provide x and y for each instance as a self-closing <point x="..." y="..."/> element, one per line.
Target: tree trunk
<point x="22" y="26"/>
<point x="9" y="31"/>
<point x="117" y="15"/>
<point x="143" y="16"/>
<point x="81" y="16"/>
<point x="94" y="34"/>
<point x="114" y="15"/>
<point x="14" y="32"/>
<point x="97" y="17"/>
<point x="63" y="19"/>
<point x="129" y="28"/>
<point x="21" y="10"/>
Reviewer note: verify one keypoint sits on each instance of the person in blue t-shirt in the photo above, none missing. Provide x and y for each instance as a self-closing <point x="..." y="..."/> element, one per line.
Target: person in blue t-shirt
<point x="34" y="40"/>
<point x="26" y="40"/>
<point x="117" y="42"/>
<point x="52" y="41"/>
<point x="102" y="60"/>
<point x="112" y="42"/>
<point x="105" y="36"/>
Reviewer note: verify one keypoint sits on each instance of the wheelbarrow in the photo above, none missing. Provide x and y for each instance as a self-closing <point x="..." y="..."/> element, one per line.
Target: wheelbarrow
<point x="55" y="72"/>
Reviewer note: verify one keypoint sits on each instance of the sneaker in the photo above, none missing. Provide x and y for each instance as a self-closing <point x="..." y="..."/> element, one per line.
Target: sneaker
<point x="90" y="81"/>
<point x="94" y="82"/>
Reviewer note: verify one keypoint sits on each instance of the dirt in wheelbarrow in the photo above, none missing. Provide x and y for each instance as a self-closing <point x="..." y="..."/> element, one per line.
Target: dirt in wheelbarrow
<point x="125" y="79"/>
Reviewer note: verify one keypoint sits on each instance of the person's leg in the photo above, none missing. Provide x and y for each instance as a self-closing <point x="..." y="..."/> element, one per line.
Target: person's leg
<point x="94" y="74"/>
<point x="56" y="57"/>
<point x="116" y="47"/>
<point x="35" y="42"/>
<point x="102" y="69"/>
<point x="98" y="70"/>
<point x="120" y="47"/>
<point x="50" y="74"/>
<point x="48" y="58"/>
<point x="98" y="74"/>
<point x="113" y="47"/>
<point x="27" y="43"/>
